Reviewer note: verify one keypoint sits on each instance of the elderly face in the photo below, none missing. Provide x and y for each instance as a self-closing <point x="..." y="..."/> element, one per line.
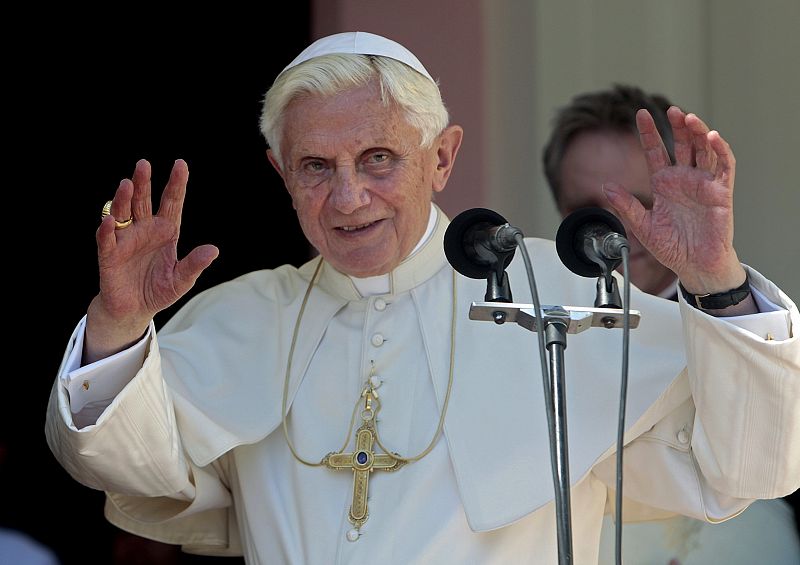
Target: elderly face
<point x="593" y="158"/>
<point x="360" y="183"/>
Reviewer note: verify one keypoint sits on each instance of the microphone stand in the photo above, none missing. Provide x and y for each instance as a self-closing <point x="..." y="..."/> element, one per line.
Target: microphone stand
<point x="556" y="325"/>
<point x="557" y="322"/>
<point x="479" y="243"/>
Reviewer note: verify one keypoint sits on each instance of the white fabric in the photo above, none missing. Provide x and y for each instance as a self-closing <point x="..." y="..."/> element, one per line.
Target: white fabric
<point x="764" y="533"/>
<point x="360" y="43"/>
<point x="98" y="383"/>
<point x="483" y="494"/>
<point x="670" y="291"/>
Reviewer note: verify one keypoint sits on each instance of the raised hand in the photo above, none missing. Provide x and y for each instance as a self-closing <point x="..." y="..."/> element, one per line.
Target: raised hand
<point x="689" y="228"/>
<point x="140" y="273"/>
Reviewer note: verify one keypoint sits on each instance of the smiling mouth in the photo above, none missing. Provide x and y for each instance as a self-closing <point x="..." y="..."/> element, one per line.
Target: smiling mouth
<point x="355" y="228"/>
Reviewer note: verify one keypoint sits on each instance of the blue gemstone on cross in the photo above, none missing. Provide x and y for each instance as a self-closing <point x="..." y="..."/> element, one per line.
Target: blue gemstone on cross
<point x="361" y="457"/>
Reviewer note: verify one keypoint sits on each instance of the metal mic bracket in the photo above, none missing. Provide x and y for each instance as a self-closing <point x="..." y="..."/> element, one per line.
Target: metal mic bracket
<point x="607" y="295"/>
<point x="498" y="288"/>
<point x="578" y="319"/>
<point x="555" y="322"/>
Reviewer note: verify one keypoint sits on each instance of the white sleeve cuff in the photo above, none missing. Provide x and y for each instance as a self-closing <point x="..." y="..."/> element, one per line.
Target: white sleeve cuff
<point x="771" y="322"/>
<point x="774" y="319"/>
<point x="101" y="381"/>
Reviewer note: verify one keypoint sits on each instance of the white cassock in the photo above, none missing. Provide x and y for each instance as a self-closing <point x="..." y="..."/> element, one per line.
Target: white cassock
<point x="765" y="532"/>
<point x="192" y="450"/>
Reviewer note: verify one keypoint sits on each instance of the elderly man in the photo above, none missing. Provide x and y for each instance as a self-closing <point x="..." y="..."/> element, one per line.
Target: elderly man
<point x="349" y="411"/>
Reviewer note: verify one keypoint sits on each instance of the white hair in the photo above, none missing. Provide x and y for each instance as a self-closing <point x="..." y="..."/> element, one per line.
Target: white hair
<point x="417" y="96"/>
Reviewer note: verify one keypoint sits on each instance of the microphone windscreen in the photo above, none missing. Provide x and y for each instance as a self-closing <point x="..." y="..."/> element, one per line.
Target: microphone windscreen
<point x="459" y="237"/>
<point x="569" y="238"/>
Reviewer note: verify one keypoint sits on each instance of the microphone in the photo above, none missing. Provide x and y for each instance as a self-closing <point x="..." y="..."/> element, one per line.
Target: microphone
<point x="589" y="242"/>
<point x="480" y="243"/>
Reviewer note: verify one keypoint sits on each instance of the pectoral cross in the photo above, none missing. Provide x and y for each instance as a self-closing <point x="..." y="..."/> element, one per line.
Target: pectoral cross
<point x="363" y="460"/>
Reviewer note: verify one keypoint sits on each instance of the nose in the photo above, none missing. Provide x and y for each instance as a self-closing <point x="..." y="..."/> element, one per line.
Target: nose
<point x="349" y="190"/>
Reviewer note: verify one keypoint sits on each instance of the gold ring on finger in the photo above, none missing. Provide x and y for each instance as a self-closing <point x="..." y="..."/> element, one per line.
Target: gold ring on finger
<point x="117" y="224"/>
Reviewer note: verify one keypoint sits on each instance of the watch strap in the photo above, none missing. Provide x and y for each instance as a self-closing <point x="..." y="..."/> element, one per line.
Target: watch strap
<point x="718" y="300"/>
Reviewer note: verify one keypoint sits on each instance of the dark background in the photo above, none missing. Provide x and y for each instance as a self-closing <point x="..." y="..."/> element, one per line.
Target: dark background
<point x="88" y="102"/>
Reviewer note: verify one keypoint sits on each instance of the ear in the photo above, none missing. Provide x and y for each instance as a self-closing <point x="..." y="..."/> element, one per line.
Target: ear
<point x="275" y="165"/>
<point x="448" y="144"/>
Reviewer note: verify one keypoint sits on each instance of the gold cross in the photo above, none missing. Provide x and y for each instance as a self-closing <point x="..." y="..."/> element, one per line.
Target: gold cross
<point x="362" y="461"/>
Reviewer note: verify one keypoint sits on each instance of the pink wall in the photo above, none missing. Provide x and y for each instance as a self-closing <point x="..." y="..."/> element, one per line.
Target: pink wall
<point x="446" y="36"/>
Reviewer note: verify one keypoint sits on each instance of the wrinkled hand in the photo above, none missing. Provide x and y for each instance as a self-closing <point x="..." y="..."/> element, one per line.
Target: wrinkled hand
<point x="690" y="226"/>
<point x="140" y="273"/>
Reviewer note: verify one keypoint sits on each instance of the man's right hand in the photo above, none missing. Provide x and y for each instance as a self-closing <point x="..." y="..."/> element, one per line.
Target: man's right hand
<point x="140" y="273"/>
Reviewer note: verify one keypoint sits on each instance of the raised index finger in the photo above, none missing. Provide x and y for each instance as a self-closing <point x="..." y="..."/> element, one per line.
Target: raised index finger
<point x="171" y="206"/>
<point x="654" y="150"/>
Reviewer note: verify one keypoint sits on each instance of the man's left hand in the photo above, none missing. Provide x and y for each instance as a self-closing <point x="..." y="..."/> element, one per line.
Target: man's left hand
<point x="689" y="228"/>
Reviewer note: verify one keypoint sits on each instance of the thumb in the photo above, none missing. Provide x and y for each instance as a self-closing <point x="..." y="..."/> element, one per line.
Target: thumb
<point x="188" y="269"/>
<point x="627" y="207"/>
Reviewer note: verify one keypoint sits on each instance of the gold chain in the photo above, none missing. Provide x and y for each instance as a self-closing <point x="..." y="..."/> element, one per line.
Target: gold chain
<point x="439" y="428"/>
